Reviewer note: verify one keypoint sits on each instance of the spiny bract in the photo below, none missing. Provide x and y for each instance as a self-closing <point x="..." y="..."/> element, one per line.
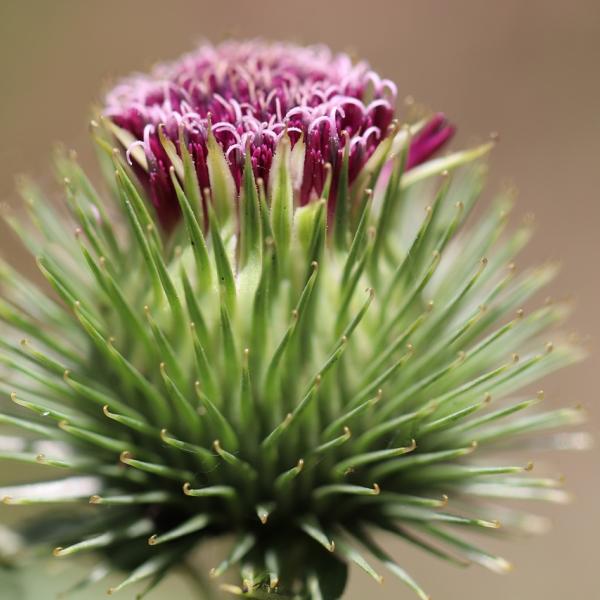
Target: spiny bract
<point x="295" y="363"/>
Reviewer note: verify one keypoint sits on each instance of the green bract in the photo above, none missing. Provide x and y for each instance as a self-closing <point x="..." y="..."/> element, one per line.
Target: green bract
<point x="295" y="379"/>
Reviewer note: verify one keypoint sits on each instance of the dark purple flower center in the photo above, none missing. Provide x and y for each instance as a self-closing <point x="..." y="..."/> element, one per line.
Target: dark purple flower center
<point x="252" y="92"/>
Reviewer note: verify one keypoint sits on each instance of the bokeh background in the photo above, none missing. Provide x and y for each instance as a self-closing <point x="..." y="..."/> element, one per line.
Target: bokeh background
<point x="527" y="69"/>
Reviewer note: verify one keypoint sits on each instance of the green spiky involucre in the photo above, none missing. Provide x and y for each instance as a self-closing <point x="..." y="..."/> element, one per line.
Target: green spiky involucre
<point x="294" y="377"/>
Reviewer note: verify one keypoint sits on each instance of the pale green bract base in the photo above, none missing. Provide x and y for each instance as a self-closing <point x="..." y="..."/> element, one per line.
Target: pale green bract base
<point x="298" y="387"/>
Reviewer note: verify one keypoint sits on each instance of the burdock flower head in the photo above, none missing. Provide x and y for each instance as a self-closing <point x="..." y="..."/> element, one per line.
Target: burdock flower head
<point x="242" y="98"/>
<point x="274" y="326"/>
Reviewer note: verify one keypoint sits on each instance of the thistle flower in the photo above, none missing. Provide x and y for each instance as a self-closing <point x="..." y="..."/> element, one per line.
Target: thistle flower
<point x="243" y="97"/>
<point x="247" y="342"/>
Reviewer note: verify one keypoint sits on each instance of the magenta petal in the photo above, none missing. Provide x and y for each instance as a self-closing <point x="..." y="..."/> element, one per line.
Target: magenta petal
<point x="429" y="140"/>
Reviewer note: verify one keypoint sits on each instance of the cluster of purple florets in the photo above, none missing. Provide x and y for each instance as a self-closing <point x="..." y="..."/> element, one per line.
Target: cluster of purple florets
<point x="249" y="94"/>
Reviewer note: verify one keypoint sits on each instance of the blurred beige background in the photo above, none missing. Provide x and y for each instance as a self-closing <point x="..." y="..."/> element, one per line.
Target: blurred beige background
<point x="528" y="69"/>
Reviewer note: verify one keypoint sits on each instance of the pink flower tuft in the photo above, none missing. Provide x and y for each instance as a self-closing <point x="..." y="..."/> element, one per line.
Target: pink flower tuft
<point x="249" y="93"/>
